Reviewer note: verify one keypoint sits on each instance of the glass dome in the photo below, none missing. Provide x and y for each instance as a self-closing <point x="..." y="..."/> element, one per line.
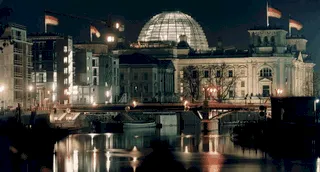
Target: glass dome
<point x="169" y="26"/>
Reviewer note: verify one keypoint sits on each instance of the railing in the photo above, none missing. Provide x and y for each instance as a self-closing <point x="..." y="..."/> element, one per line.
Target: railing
<point x="17" y="74"/>
<point x="18" y="87"/>
<point x="17" y="50"/>
<point x="18" y="62"/>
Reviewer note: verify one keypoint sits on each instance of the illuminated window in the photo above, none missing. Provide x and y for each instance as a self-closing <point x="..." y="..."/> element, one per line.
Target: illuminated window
<point x="117" y="25"/>
<point x="110" y="39"/>
<point x="65" y="49"/>
<point x="65" y="70"/>
<point x="65" y="60"/>
<point x="266" y="72"/>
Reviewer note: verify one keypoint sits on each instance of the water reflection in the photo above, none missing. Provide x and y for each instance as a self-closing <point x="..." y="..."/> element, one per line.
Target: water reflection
<point x="123" y="152"/>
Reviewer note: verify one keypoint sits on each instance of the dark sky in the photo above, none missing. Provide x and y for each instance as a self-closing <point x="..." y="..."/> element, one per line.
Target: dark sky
<point x="228" y="19"/>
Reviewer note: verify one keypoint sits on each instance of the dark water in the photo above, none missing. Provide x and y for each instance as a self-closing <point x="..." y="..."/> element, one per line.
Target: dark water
<point x="210" y="153"/>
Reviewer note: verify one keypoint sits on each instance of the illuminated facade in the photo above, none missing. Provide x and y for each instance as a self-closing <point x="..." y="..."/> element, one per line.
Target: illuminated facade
<point x="274" y="64"/>
<point x="97" y="75"/>
<point x="169" y="26"/>
<point x="146" y="79"/>
<point x="53" y="72"/>
<point x="16" y="66"/>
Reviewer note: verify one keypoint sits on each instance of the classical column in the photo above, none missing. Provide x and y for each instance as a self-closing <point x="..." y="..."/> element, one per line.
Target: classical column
<point x="250" y="75"/>
<point x="176" y="76"/>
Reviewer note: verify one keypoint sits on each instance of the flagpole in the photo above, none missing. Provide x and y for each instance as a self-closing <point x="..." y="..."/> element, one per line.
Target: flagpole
<point x="289" y="26"/>
<point x="267" y="14"/>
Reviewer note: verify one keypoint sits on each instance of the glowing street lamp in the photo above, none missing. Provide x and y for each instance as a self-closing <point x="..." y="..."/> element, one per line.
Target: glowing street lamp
<point x="279" y="91"/>
<point x="30" y="88"/>
<point x="315" y="110"/>
<point x="134" y="103"/>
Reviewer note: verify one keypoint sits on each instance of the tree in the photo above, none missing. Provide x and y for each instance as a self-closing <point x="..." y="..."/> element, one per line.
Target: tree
<point x="222" y="80"/>
<point x="191" y="82"/>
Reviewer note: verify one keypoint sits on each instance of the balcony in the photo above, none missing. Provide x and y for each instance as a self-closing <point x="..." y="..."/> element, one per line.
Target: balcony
<point x="18" y="87"/>
<point x="18" y="50"/>
<point x="18" y="62"/>
<point x="17" y="74"/>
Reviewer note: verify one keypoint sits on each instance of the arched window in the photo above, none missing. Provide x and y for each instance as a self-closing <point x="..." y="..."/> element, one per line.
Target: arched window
<point x="266" y="40"/>
<point x="273" y="41"/>
<point x="266" y="72"/>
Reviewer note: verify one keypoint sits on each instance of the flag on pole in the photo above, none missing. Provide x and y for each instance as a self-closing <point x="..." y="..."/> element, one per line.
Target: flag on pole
<point x="272" y="12"/>
<point x="94" y="30"/>
<point x="50" y="20"/>
<point x="295" y="24"/>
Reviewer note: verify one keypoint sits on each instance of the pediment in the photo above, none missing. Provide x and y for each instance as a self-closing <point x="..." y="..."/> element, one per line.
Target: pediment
<point x="265" y="80"/>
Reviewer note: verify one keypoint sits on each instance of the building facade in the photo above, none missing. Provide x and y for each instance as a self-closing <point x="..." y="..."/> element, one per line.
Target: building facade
<point x="16" y="66"/>
<point x="53" y="72"/>
<point x="146" y="79"/>
<point x="102" y="73"/>
<point x="275" y="64"/>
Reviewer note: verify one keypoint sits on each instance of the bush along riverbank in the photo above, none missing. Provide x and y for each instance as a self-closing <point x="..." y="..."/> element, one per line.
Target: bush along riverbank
<point x="32" y="147"/>
<point x="279" y="139"/>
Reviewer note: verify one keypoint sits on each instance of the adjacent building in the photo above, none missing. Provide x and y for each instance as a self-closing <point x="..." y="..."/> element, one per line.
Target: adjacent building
<point x="53" y="73"/>
<point x="16" y="65"/>
<point x="146" y="79"/>
<point x="97" y="74"/>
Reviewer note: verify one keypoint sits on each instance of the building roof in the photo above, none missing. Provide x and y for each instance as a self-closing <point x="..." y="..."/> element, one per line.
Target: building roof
<point x="42" y="36"/>
<point x="143" y="59"/>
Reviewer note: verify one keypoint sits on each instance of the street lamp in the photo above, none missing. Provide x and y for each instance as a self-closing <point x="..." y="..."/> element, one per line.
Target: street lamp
<point x="315" y="110"/>
<point x="30" y="90"/>
<point x="279" y="92"/>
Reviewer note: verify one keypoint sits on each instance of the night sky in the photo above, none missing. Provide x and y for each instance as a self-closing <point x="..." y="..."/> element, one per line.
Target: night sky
<point x="228" y="19"/>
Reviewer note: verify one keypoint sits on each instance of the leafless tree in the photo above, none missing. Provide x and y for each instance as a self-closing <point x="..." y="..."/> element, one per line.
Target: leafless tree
<point x="191" y="82"/>
<point x="223" y="79"/>
<point x="316" y="84"/>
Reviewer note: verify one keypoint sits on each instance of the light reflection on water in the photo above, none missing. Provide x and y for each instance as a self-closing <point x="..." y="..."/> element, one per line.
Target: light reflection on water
<point x="122" y="152"/>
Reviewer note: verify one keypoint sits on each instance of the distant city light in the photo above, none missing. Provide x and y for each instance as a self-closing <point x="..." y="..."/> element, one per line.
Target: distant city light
<point x="117" y="25"/>
<point x="110" y="38"/>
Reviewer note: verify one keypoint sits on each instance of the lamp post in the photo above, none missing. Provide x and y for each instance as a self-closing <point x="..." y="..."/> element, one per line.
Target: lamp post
<point x="315" y="110"/>
<point x="30" y="90"/>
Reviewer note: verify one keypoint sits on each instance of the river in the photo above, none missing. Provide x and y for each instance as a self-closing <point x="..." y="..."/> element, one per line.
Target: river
<point x="213" y="152"/>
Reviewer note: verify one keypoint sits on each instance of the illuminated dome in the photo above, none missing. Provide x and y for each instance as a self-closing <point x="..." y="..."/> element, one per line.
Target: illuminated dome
<point x="169" y="26"/>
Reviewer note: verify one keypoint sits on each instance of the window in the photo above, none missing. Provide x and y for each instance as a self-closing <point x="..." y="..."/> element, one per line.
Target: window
<point x="266" y="72"/>
<point x="265" y="91"/>
<point x="206" y="74"/>
<point x="95" y="72"/>
<point x="135" y="76"/>
<point x="194" y="74"/>
<point x="242" y="84"/>
<point x="243" y="93"/>
<point x="93" y="62"/>
<point x="65" y="70"/>
<point x="121" y="76"/>
<point x="40" y="66"/>
<point x="155" y="76"/>
<point x="65" y="81"/>
<point x="231" y="93"/>
<point x="145" y="76"/>
<point x="65" y="60"/>
<point x="230" y="73"/>
<point x="218" y="74"/>
<point x="65" y="49"/>
<point x="145" y="88"/>
<point x="95" y="82"/>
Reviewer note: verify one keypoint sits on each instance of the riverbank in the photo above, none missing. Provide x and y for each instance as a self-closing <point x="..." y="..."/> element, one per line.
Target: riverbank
<point x="36" y="142"/>
<point x="279" y="139"/>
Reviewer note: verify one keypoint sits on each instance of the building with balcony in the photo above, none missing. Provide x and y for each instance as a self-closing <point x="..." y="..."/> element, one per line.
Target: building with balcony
<point x="146" y="79"/>
<point x="16" y="66"/>
<point x="53" y="72"/>
<point x="97" y="74"/>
